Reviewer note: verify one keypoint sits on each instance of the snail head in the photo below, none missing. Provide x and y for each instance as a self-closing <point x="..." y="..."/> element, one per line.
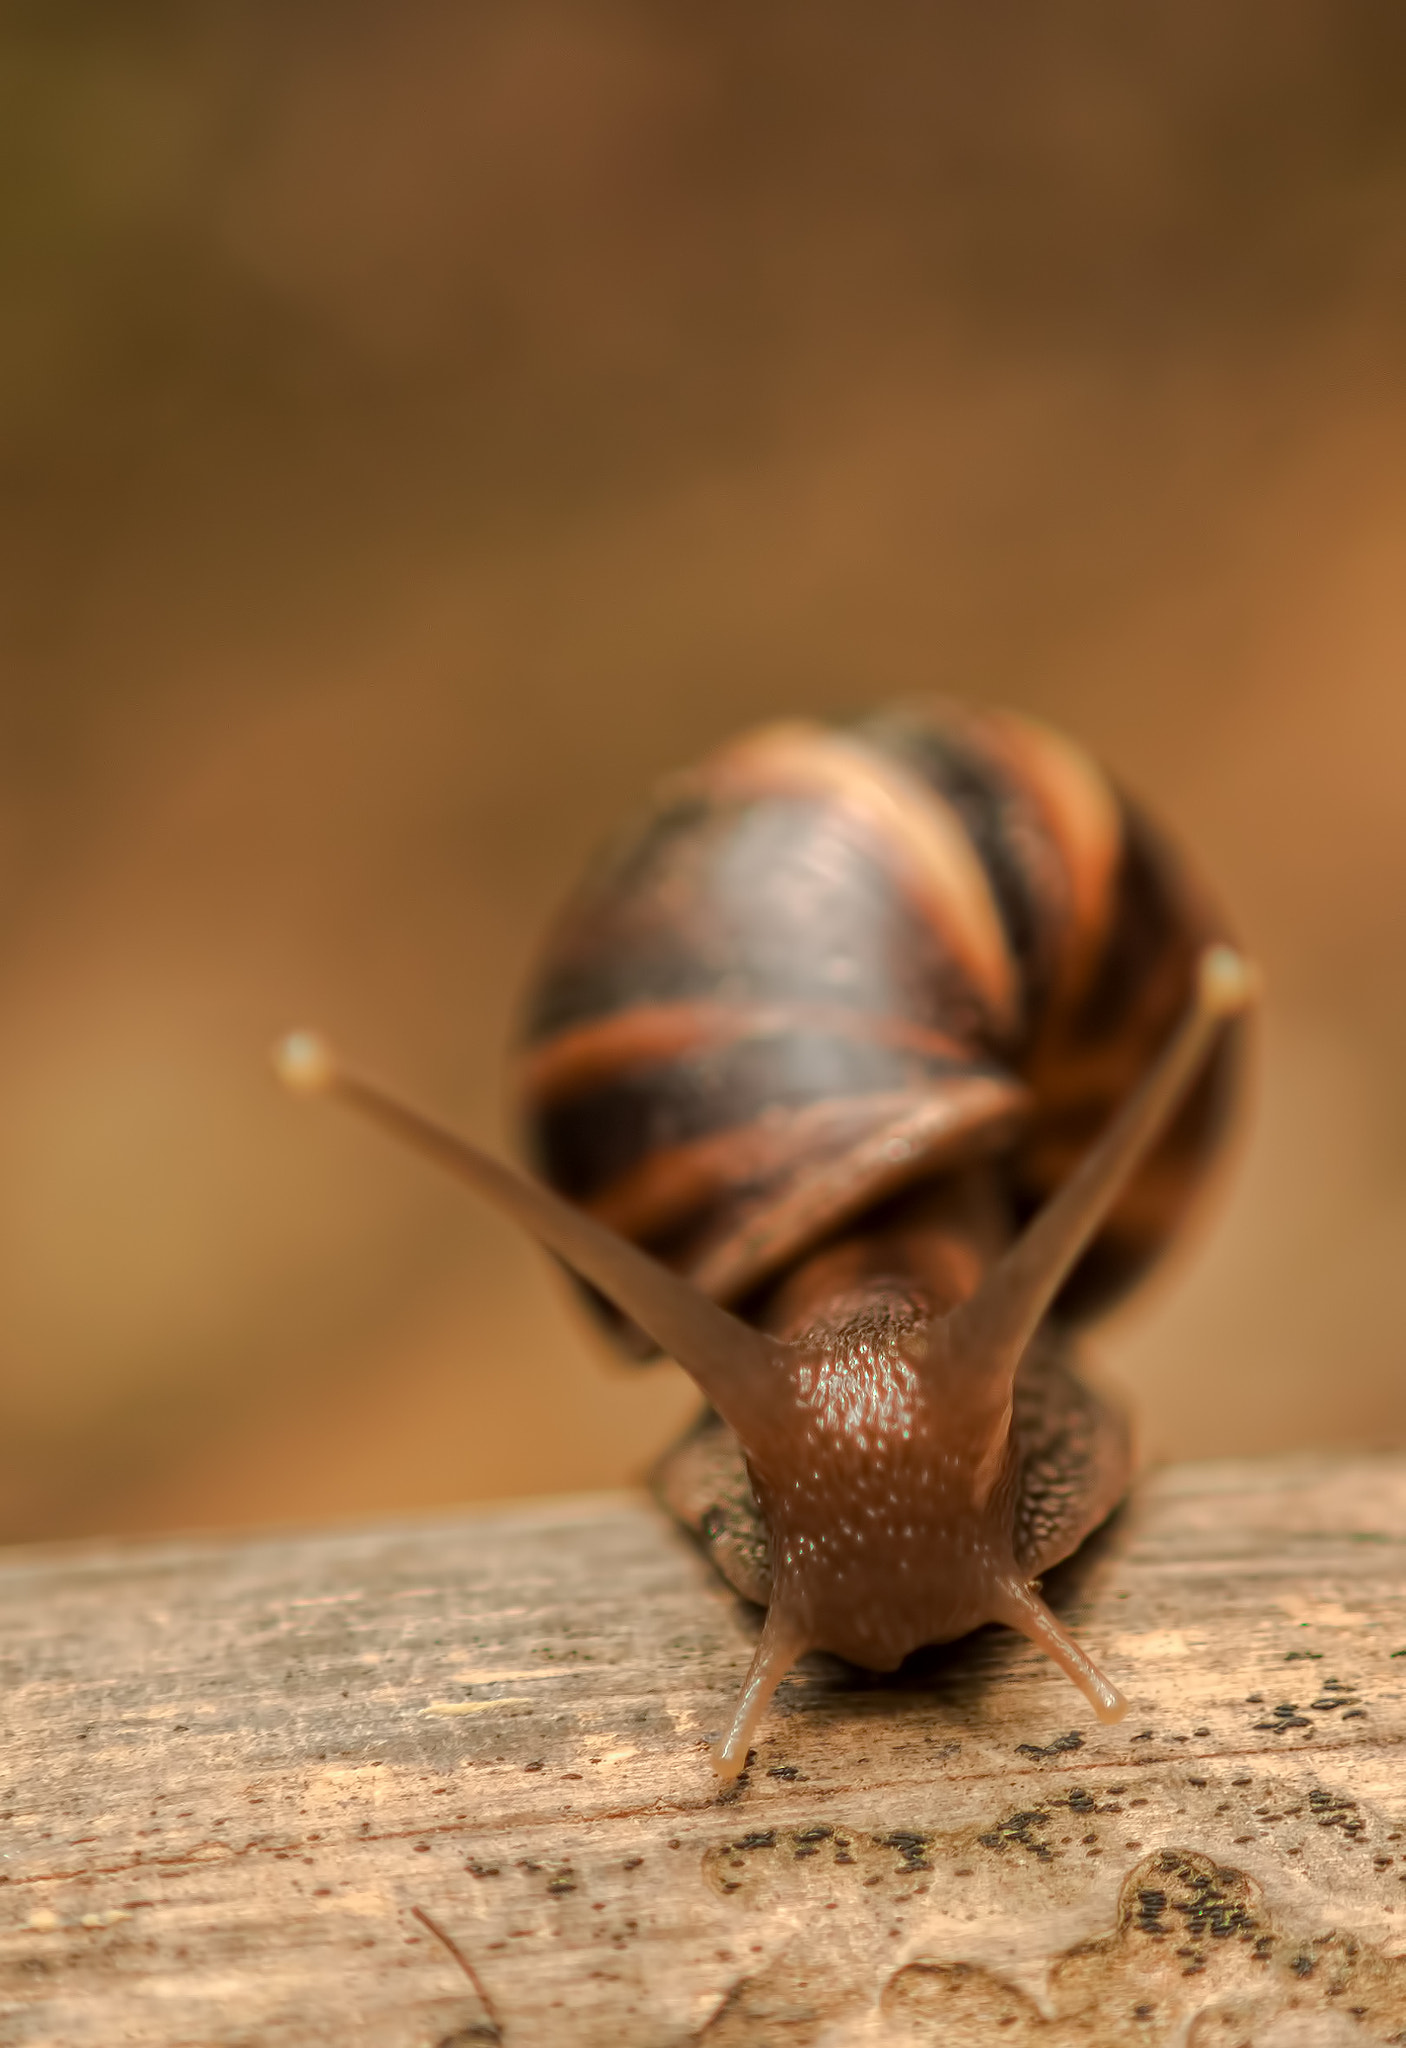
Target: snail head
<point x="879" y="1443"/>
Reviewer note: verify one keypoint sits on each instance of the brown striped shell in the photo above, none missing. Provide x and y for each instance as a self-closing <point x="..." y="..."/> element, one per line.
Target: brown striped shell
<point x="829" y="965"/>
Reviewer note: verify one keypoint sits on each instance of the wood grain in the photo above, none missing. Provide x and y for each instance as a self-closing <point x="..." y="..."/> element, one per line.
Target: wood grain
<point x="420" y="1786"/>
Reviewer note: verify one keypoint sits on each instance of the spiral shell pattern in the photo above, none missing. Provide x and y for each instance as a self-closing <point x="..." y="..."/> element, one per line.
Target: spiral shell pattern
<point x="830" y="964"/>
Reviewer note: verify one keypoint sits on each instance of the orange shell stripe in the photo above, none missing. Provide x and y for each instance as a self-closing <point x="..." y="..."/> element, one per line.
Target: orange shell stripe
<point x="586" y="1054"/>
<point x="924" y="837"/>
<point x="974" y="1116"/>
<point x="829" y="1146"/>
<point x="1081" y="813"/>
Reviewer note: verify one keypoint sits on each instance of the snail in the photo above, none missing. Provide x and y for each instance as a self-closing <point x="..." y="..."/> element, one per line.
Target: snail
<point x="859" y="1073"/>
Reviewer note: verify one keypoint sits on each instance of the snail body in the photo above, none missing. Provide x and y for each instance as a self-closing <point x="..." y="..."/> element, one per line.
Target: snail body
<point x="859" y="1074"/>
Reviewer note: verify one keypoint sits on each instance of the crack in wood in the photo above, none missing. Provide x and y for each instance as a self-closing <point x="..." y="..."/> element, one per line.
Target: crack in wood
<point x="448" y="1942"/>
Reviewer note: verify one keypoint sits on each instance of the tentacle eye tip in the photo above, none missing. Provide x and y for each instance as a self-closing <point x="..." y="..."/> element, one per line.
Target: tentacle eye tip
<point x="304" y="1063"/>
<point x="1228" y="981"/>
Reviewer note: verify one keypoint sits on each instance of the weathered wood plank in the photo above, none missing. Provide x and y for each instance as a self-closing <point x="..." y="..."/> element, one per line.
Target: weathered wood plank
<point x="446" y="1783"/>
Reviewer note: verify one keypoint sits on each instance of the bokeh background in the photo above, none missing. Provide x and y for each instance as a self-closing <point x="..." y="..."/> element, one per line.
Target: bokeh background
<point x="422" y="423"/>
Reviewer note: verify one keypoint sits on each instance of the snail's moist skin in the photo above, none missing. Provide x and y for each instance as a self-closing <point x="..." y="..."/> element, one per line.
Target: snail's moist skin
<point x="884" y="1534"/>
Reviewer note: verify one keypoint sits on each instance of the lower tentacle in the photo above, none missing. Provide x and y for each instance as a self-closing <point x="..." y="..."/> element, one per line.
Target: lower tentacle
<point x="780" y="1645"/>
<point x="1020" y="1607"/>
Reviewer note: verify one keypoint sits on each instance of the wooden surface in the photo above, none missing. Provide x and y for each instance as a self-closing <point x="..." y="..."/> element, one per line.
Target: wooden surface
<point x="445" y="1784"/>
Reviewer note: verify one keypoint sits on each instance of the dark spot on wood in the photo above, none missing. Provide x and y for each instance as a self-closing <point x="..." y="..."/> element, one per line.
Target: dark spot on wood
<point x="1057" y="1747"/>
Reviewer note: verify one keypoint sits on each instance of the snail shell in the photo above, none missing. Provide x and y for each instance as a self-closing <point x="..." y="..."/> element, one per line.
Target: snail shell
<point x="829" y="966"/>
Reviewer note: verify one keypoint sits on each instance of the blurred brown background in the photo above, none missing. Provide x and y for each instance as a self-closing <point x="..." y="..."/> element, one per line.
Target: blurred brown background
<point x="421" y="423"/>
